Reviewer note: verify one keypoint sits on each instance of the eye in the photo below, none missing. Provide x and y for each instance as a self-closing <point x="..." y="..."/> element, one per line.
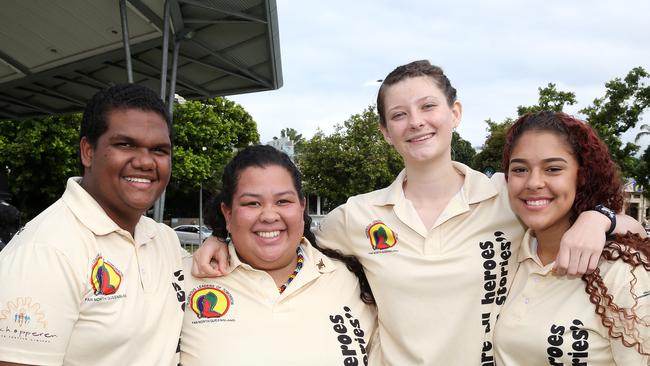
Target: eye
<point x="251" y="204"/>
<point x="554" y="169"/>
<point x="160" y="151"/>
<point x="397" y="115"/>
<point x="123" y="144"/>
<point x="283" y="202"/>
<point x="428" y="106"/>
<point x="518" y="170"/>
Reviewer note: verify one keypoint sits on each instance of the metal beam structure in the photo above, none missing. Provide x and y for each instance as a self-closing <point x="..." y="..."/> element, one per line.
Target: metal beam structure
<point x="55" y="55"/>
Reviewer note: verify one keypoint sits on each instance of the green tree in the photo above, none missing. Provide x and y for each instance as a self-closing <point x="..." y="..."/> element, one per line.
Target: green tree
<point x="550" y="99"/>
<point x="644" y="131"/>
<point x="39" y="154"/>
<point x="206" y="136"/>
<point x="489" y="158"/>
<point x="618" y="111"/>
<point x="461" y="149"/>
<point x="352" y="160"/>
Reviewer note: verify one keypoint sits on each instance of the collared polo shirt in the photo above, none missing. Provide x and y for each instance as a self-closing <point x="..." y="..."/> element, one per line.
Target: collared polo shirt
<point x="438" y="289"/>
<point x="549" y="320"/>
<point x="76" y="289"/>
<point x="242" y="319"/>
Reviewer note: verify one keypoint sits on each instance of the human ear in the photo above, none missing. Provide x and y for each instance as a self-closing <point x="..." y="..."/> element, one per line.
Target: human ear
<point x="457" y="112"/>
<point x="86" y="151"/>
<point x="384" y="132"/>
<point x="226" y="211"/>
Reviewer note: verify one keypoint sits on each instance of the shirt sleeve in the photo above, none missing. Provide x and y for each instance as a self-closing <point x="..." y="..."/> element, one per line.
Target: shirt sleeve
<point x="333" y="231"/>
<point x="39" y="304"/>
<point x="631" y="290"/>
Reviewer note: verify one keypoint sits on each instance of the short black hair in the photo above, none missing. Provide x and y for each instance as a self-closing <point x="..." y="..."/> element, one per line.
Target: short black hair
<point x="94" y="122"/>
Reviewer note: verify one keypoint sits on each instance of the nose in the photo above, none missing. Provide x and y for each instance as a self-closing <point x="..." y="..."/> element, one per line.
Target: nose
<point x="415" y="119"/>
<point x="269" y="214"/>
<point x="535" y="180"/>
<point x="143" y="160"/>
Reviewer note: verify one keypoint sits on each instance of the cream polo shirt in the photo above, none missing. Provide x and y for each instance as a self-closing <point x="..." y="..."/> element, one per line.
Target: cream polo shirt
<point x="242" y="319"/>
<point x="439" y="289"/>
<point x="79" y="290"/>
<point x="549" y="320"/>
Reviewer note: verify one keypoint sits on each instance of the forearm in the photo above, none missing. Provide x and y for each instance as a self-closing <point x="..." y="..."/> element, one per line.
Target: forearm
<point x="625" y="223"/>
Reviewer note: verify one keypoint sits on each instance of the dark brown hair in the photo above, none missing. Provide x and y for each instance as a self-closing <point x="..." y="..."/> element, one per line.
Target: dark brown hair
<point x="412" y="70"/>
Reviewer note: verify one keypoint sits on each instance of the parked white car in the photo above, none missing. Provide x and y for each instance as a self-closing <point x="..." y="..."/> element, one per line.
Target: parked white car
<point x="189" y="234"/>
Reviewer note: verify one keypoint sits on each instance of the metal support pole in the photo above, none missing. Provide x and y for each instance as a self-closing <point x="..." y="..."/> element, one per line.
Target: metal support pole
<point x="201" y="214"/>
<point x="159" y="206"/>
<point x="165" y="50"/>
<point x="125" y="41"/>
<point x="172" y="81"/>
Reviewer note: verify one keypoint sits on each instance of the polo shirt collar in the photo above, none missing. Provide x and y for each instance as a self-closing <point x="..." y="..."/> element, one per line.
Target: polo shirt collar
<point x="528" y="252"/>
<point x="315" y="263"/>
<point x="92" y="215"/>
<point x="476" y="188"/>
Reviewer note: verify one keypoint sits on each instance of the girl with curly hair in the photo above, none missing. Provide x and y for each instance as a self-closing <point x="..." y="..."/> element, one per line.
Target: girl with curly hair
<point x="556" y="168"/>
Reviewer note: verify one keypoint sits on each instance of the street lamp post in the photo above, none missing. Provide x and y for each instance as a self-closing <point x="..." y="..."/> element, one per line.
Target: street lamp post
<point x="201" y="206"/>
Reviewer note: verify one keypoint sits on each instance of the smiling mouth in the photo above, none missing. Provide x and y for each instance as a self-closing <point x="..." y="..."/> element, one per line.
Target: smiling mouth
<point x="137" y="180"/>
<point x="421" y="138"/>
<point x="537" y="203"/>
<point x="268" y="234"/>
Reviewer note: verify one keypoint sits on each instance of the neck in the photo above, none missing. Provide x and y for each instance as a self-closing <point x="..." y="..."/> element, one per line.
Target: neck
<point x="281" y="275"/>
<point x="439" y="177"/>
<point x="548" y="242"/>
<point x="124" y="220"/>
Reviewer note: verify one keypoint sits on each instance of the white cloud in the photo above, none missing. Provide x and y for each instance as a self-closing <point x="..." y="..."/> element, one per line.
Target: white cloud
<point x="496" y="53"/>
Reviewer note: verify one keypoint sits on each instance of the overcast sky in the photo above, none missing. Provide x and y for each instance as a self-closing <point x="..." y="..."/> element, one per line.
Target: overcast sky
<point x="496" y="53"/>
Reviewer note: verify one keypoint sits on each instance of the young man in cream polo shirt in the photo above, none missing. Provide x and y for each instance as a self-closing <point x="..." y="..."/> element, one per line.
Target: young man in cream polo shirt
<point x="90" y="281"/>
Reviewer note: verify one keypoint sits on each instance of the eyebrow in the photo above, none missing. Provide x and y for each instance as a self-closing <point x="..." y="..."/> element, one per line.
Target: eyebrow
<point x="131" y="140"/>
<point x="549" y="160"/>
<point x="255" y="195"/>
<point x="419" y="100"/>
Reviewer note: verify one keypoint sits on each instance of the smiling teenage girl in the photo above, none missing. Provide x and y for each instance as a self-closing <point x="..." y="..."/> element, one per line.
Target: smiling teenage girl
<point x="556" y="168"/>
<point x="285" y="302"/>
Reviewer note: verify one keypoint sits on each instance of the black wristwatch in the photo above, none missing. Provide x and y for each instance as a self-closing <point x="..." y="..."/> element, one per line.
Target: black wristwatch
<point x="611" y="215"/>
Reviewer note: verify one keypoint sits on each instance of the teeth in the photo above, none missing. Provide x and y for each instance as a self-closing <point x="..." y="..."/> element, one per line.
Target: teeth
<point x="268" y="234"/>
<point x="138" y="180"/>
<point x="422" y="138"/>
<point x="537" y="203"/>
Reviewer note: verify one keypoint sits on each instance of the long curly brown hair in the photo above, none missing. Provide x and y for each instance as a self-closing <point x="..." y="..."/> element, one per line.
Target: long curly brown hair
<point x="622" y="322"/>
<point x="598" y="183"/>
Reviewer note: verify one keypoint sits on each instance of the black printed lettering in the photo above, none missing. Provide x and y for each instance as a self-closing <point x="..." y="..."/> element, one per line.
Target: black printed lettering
<point x="486" y="357"/>
<point x="336" y="319"/>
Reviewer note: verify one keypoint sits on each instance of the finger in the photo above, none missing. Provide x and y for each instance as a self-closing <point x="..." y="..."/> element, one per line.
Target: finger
<point x="561" y="262"/>
<point x="583" y="264"/>
<point x="574" y="263"/>
<point x="204" y="270"/>
<point x="593" y="263"/>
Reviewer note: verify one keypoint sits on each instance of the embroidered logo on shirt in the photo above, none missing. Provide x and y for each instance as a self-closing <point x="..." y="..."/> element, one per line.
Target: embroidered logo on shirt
<point x="24" y="320"/>
<point x="24" y="312"/>
<point x="209" y="302"/>
<point x="381" y="236"/>
<point x="104" y="277"/>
